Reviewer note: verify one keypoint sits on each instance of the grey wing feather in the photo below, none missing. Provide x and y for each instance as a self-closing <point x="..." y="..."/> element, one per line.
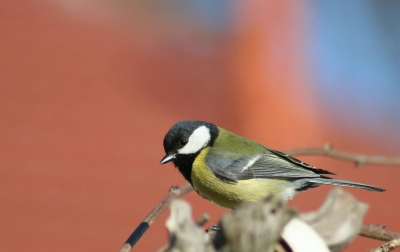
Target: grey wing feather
<point x="275" y="165"/>
<point x="220" y="167"/>
<point x="300" y="163"/>
<point x="269" y="166"/>
<point x="258" y="166"/>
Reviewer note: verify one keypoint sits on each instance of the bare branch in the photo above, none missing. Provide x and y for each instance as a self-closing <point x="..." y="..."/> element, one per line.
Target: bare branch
<point x="388" y="246"/>
<point x="175" y="192"/>
<point x="359" y="159"/>
<point x="378" y="232"/>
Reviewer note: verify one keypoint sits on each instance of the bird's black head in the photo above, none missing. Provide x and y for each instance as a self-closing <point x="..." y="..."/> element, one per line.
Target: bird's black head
<point x="185" y="140"/>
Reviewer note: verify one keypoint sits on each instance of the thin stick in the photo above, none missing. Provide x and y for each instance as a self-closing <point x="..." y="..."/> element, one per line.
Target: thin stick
<point x="378" y="232"/>
<point x="395" y="243"/>
<point x="175" y="192"/>
<point x="359" y="159"/>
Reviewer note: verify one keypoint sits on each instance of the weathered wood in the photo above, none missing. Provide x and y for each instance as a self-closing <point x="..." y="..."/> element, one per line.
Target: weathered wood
<point x="270" y="225"/>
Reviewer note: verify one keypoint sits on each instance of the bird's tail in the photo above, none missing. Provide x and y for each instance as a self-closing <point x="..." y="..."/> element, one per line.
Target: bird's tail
<point x="338" y="182"/>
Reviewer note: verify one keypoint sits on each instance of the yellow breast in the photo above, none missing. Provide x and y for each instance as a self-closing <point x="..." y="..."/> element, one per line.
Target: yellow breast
<point x="229" y="195"/>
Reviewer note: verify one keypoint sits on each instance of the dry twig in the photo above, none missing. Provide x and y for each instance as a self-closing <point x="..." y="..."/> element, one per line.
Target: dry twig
<point x="175" y="192"/>
<point x="359" y="159"/>
<point x="378" y="232"/>
<point x="388" y="246"/>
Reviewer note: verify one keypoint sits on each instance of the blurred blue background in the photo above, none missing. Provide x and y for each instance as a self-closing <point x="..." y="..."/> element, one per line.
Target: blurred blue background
<point x="354" y="51"/>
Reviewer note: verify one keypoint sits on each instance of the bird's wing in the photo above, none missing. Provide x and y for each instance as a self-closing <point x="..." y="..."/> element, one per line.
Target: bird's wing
<point x="300" y="163"/>
<point x="264" y="165"/>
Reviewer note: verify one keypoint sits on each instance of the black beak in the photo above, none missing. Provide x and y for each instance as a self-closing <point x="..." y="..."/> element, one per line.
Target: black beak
<point x="168" y="158"/>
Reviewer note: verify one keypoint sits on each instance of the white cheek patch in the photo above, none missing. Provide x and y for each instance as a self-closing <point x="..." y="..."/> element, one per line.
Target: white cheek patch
<point x="197" y="141"/>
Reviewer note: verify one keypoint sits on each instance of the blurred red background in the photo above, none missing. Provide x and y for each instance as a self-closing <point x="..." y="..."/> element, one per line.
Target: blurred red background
<point x="88" y="91"/>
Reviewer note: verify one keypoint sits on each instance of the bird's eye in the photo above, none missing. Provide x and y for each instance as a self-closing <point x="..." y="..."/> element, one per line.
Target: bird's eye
<point x="183" y="141"/>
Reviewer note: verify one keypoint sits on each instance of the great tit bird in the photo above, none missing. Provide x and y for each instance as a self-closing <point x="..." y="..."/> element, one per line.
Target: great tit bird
<point x="227" y="169"/>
